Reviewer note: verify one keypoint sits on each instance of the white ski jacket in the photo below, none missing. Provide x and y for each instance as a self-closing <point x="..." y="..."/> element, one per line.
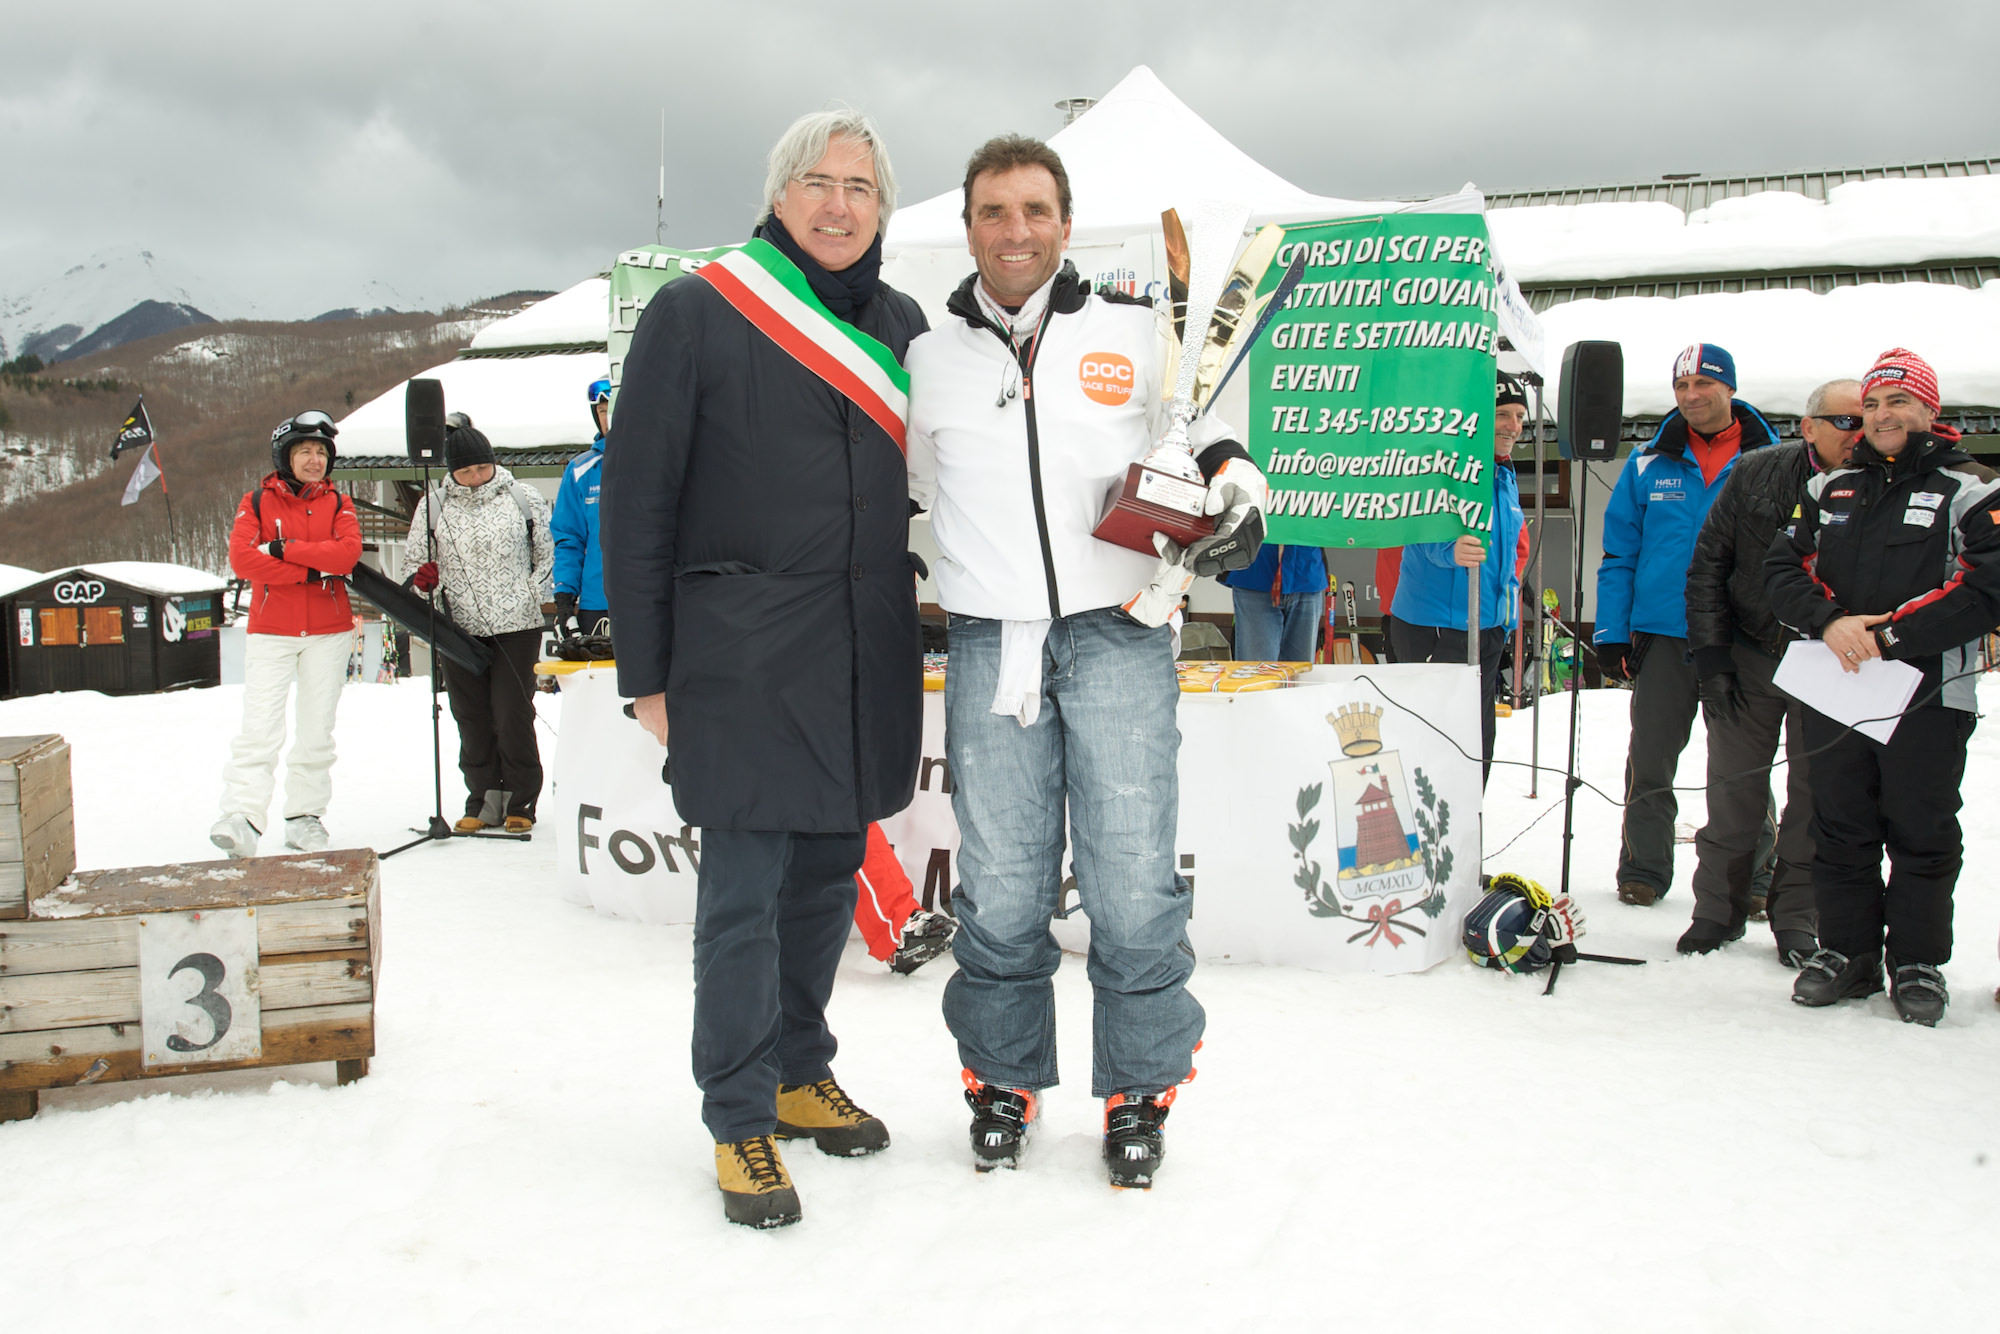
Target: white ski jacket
<point x="494" y="553"/>
<point x="1015" y="482"/>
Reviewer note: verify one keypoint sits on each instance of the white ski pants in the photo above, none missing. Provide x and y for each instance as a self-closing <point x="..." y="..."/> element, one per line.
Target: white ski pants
<point x="271" y="663"/>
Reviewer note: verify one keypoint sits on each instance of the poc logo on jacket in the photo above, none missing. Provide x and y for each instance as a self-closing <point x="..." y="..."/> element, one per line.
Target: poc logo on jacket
<point x="1106" y="378"/>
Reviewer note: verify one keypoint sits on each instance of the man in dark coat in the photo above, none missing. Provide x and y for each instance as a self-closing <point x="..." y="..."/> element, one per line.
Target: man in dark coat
<point x="1895" y="556"/>
<point x="1737" y="642"/>
<point x="755" y="537"/>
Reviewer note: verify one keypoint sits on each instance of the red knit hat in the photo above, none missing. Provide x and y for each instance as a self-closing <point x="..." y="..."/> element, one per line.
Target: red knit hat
<point x="1906" y="370"/>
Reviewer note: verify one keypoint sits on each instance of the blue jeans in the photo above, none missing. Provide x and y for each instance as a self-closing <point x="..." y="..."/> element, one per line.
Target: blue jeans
<point x="1283" y="633"/>
<point x="771" y="914"/>
<point x="1105" y="745"/>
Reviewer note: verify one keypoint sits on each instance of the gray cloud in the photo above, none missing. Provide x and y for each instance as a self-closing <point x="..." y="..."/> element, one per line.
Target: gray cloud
<point x="452" y="150"/>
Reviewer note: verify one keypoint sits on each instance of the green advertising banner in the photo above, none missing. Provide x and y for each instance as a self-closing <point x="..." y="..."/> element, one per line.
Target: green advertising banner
<point x="634" y="278"/>
<point x="1371" y="394"/>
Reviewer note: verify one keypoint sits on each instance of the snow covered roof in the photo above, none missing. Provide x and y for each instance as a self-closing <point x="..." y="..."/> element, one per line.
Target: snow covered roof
<point x="1786" y="343"/>
<point x="14" y="577"/>
<point x="1138" y="152"/>
<point x="157" y="576"/>
<point x="518" y="402"/>
<point x="580" y="314"/>
<point x="1863" y="224"/>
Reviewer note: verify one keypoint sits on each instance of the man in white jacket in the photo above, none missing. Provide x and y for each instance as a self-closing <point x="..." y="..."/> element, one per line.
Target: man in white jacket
<point x="1026" y="408"/>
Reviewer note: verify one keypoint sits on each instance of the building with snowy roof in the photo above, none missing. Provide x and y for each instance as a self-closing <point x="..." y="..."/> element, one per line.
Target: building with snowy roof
<point x="121" y="627"/>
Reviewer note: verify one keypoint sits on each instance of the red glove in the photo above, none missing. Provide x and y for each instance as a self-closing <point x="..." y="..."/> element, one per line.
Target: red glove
<point x="426" y="577"/>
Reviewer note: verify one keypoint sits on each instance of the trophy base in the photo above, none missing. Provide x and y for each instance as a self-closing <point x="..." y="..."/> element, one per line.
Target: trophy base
<point x="1149" y="501"/>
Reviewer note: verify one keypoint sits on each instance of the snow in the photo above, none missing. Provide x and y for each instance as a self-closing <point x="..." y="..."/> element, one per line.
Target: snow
<point x="519" y="402"/>
<point x="580" y="314"/>
<point x="1788" y="342"/>
<point x="1865" y="224"/>
<point x="104" y="287"/>
<point x="158" y="576"/>
<point x="14" y="577"/>
<point x="1669" y="1148"/>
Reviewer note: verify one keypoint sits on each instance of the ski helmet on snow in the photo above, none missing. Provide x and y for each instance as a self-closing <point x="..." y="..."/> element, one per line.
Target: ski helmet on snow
<point x="599" y="392"/>
<point x="1507" y="928"/>
<point x="303" y="426"/>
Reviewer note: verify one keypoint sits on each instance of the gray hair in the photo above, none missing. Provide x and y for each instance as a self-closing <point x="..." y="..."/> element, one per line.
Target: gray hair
<point x="804" y="144"/>
<point x="1816" y="400"/>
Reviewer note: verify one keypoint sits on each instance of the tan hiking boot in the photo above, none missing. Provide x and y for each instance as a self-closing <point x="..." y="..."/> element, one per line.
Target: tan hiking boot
<point x="469" y="824"/>
<point x="756" y="1189"/>
<point x="824" y="1114"/>
<point x="1638" y="892"/>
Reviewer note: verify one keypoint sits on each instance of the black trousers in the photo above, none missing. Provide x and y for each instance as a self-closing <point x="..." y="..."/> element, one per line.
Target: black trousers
<point x="771" y="915"/>
<point x="1428" y="643"/>
<point x="495" y="713"/>
<point x="1731" y="847"/>
<point x="1902" y="798"/>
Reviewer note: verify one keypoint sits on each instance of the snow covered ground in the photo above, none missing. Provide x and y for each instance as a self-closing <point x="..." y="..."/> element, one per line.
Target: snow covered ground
<point x="1669" y="1148"/>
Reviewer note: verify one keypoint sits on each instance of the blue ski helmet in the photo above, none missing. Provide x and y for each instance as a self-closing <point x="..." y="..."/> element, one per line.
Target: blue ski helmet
<point x="599" y="392"/>
<point x="1505" y="929"/>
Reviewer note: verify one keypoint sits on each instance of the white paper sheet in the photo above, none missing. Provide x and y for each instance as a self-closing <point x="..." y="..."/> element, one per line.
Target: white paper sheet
<point x="1812" y="675"/>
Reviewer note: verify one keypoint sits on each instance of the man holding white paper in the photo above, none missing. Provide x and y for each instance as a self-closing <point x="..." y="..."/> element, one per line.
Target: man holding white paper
<point x="1895" y="556"/>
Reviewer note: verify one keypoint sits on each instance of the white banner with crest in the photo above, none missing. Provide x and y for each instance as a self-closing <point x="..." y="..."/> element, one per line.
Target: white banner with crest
<point x="1330" y="825"/>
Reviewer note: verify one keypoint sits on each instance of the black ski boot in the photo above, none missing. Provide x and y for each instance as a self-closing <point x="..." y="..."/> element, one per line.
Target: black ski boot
<point x="1133" y="1144"/>
<point x="925" y="936"/>
<point x="1704" y="937"/>
<point x="1000" y="1120"/>
<point x="1918" y="990"/>
<point x="1795" y="947"/>
<point x="1831" y="976"/>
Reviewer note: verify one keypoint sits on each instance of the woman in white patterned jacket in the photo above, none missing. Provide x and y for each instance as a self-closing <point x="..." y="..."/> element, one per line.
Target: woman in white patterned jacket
<point x="483" y="539"/>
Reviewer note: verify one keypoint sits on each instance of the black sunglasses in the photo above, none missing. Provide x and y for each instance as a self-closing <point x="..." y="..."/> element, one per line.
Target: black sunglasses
<point x="1842" y="422"/>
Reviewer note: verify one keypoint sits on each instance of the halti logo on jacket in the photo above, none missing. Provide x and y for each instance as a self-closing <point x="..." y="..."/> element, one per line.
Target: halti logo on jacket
<point x="1106" y="378"/>
<point x="1840" y="495"/>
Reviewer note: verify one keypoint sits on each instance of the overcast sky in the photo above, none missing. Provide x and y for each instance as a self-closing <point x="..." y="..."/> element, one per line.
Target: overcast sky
<point x="296" y="153"/>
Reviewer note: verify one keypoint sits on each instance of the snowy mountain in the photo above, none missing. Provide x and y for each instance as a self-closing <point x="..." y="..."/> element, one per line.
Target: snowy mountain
<point x="74" y="306"/>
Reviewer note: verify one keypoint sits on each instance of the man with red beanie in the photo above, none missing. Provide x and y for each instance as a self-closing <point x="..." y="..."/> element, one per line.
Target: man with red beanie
<point x="294" y="538"/>
<point x="1895" y="556"/>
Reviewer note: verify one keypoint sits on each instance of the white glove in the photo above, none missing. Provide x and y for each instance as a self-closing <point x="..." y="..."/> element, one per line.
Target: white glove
<point x="1172" y="578"/>
<point x="1239" y="494"/>
<point x="1565" y="922"/>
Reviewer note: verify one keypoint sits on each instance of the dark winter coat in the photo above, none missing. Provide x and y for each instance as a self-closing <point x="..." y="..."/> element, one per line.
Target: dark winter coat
<point x="1650" y="525"/>
<point x="1726" y="602"/>
<point x="755" y="532"/>
<point x="301" y="594"/>
<point x="1915" y="537"/>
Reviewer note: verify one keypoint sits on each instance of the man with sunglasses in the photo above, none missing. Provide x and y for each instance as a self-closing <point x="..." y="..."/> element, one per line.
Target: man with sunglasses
<point x="1737" y="640"/>
<point x="756" y="561"/>
<point x="579" y="579"/>
<point x="1896" y="555"/>
<point x="293" y="539"/>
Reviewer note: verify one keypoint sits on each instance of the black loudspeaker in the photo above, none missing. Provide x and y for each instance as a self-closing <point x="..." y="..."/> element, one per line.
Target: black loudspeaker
<point x="423" y="420"/>
<point x="1591" y="406"/>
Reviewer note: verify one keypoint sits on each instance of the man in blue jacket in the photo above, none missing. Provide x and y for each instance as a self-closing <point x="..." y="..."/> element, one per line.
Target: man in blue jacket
<point x="1280" y="601"/>
<point x="1431" y="593"/>
<point x="579" y="566"/>
<point x="1650" y="526"/>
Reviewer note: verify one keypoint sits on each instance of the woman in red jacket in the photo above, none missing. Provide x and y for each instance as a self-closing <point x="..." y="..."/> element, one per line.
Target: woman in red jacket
<point x="294" y="538"/>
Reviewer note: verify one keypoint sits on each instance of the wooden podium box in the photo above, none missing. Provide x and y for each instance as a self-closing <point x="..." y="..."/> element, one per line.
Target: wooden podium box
<point x="37" y="833"/>
<point x="267" y="961"/>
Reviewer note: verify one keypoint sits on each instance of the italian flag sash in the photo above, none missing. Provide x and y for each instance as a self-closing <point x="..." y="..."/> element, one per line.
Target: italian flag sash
<point x="770" y="292"/>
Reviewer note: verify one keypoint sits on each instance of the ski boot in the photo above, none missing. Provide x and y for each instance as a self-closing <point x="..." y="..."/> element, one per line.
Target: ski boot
<point x="925" y="936"/>
<point x="1133" y="1143"/>
<point x="1000" y="1120"/>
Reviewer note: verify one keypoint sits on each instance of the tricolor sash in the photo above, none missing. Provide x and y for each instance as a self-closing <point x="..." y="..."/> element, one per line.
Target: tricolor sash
<point x="768" y="290"/>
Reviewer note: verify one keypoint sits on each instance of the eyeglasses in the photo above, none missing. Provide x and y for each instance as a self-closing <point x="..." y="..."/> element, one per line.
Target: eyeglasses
<point x="307" y="423"/>
<point x="820" y="187"/>
<point x="1842" y="422"/>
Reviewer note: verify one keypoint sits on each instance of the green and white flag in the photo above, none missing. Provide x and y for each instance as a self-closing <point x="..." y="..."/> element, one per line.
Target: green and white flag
<point x="1371" y="394"/>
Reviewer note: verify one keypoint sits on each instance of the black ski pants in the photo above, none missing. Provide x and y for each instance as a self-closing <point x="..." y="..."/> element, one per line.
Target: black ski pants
<point x="1902" y="798"/>
<point x="1428" y="643"/>
<point x="771" y="914"/>
<point x="495" y="713"/>
<point x="1731" y="847"/>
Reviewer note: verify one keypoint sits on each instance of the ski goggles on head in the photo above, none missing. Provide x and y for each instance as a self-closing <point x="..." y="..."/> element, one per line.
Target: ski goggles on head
<point x="1844" y="422"/>
<point x="307" y="423"/>
<point x="600" y="391"/>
